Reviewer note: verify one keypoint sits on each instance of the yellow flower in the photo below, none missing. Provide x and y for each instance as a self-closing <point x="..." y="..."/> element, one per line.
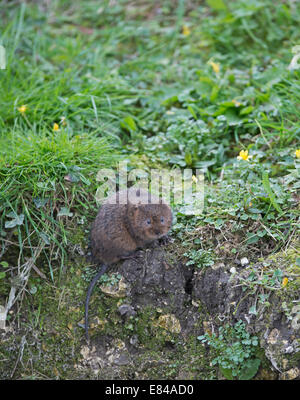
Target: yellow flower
<point x="243" y="155"/>
<point x="186" y="30"/>
<point x="215" y="66"/>
<point x="284" y="281"/>
<point x="194" y="179"/>
<point x="56" y="127"/>
<point x="22" y="109"/>
<point x="297" y="153"/>
<point x="236" y="103"/>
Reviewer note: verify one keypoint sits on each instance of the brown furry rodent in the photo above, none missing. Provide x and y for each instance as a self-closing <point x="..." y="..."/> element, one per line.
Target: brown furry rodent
<point x="126" y="221"/>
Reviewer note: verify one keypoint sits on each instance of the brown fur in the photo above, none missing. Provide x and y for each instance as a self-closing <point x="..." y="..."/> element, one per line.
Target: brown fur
<point x="120" y="228"/>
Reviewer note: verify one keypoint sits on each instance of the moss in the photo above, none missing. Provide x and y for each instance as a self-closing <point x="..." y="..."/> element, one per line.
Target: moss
<point x="49" y="320"/>
<point x="286" y="261"/>
<point x="186" y="360"/>
<point x="77" y="235"/>
<point x="287" y="258"/>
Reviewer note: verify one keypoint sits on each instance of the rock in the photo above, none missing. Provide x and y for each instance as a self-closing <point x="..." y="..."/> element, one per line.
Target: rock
<point x="117" y="291"/>
<point x="127" y="310"/>
<point x="273" y="337"/>
<point x="123" y="359"/>
<point x="244" y="261"/>
<point x="134" y="341"/>
<point x="170" y="323"/>
<point x="291" y="374"/>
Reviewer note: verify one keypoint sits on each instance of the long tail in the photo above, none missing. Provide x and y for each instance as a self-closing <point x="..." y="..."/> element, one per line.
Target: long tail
<point x="88" y="295"/>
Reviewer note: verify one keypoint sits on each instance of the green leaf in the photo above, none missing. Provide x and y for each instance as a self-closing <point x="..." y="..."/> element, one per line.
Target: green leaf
<point x="255" y="211"/>
<point x="177" y="160"/>
<point x="4" y="264"/>
<point x="266" y="183"/>
<point x="33" y="290"/>
<point x="64" y="212"/>
<point x="40" y="202"/>
<point x="128" y="124"/>
<point x="216" y="4"/>
<point x="191" y="110"/>
<point x="45" y="237"/>
<point x="227" y="373"/>
<point x="85" y="180"/>
<point x="232" y="117"/>
<point x="188" y="158"/>
<point x="246" y="110"/>
<point x="244" y="217"/>
<point x="169" y="101"/>
<point x="72" y="177"/>
<point x="214" y="93"/>
<point x="277" y="273"/>
<point x="252" y="310"/>
<point x="18" y="220"/>
<point x="2" y="274"/>
<point x="250" y="369"/>
<point x="204" y="164"/>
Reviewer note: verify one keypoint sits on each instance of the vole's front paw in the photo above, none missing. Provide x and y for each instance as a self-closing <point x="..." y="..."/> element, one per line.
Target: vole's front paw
<point x="164" y="240"/>
<point x="133" y="256"/>
<point x="139" y="254"/>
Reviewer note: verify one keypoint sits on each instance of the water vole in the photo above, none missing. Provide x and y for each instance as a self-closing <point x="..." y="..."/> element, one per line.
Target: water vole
<point x="127" y="220"/>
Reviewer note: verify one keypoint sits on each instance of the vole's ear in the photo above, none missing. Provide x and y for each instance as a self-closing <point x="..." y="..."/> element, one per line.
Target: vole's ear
<point x="132" y="207"/>
<point x="132" y="210"/>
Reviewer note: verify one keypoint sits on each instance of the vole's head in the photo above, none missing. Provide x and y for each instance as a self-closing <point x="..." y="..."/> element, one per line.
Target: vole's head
<point x="151" y="221"/>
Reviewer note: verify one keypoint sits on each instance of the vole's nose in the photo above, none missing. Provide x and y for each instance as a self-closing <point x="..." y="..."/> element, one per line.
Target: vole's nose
<point x="157" y="233"/>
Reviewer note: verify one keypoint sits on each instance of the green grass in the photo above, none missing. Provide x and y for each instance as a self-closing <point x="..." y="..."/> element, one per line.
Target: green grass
<point x="45" y="178"/>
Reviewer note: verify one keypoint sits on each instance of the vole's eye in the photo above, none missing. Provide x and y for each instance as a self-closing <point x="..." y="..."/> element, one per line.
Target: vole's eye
<point x="162" y="220"/>
<point x="149" y="221"/>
